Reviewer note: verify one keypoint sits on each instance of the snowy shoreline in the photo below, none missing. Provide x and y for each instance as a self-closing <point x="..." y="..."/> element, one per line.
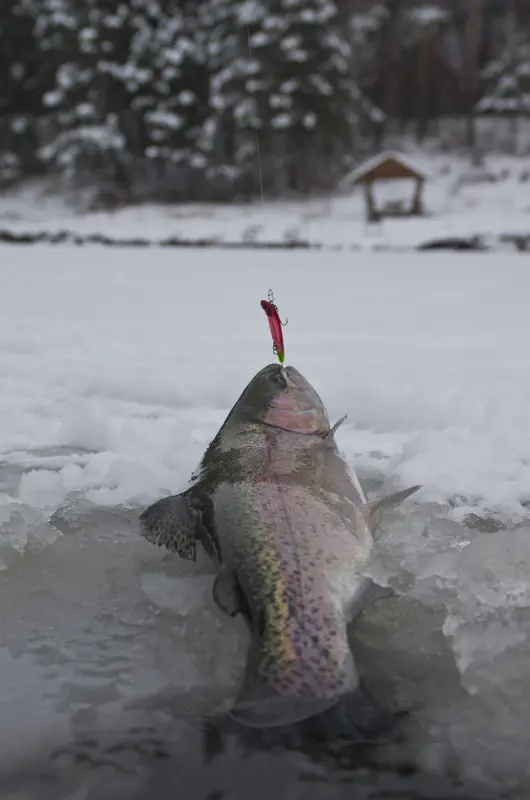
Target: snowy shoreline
<point x="476" y="209"/>
<point x="471" y="243"/>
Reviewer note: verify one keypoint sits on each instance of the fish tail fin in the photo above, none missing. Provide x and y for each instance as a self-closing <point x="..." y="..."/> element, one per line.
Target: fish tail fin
<point x="312" y="693"/>
<point x="271" y="696"/>
<point x="257" y="705"/>
<point x="357" y="718"/>
<point x="354" y="717"/>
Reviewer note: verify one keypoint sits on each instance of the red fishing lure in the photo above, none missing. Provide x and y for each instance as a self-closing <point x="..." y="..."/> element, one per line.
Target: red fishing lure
<point x="275" y="324"/>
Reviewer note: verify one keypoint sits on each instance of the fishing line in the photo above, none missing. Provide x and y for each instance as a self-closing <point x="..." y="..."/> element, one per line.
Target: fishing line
<point x="256" y="127"/>
<point x="269" y="306"/>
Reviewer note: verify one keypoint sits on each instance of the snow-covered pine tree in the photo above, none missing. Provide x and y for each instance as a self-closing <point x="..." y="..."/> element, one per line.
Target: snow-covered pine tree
<point x="281" y="90"/>
<point x="399" y="46"/>
<point x="366" y="26"/>
<point x="16" y="38"/>
<point x="93" y="93"/>
<point x="127" y="104"/>
<point x="422" y="33"/>
<point x="507" y="79"/>
<point x="26" y="72"/>
<point x="178" y="108"/>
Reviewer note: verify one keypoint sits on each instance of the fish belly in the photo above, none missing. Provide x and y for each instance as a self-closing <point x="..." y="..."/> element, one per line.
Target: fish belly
<point x="298" y="560"/>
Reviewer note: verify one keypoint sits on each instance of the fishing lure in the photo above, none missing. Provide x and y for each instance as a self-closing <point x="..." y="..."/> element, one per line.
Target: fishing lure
<point x="275" y="324"/>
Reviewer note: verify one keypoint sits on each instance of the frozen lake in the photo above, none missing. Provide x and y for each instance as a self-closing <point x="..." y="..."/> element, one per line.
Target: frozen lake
<point x="117" y="368"/>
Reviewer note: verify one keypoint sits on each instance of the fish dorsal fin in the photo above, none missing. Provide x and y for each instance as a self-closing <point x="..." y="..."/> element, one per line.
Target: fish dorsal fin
<point x="331" y="433"/>
<point x="373" y="511"/>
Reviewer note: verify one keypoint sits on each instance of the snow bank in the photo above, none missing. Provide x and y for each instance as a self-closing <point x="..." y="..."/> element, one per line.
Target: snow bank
<point x="125" y="366"/>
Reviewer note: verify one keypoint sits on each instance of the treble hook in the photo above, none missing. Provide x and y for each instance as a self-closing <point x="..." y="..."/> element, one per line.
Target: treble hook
<point x="271" y="300"/>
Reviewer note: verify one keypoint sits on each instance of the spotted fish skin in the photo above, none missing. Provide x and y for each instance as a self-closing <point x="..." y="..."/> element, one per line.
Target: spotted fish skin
<point x="283" y="513"/>
<point x="289" y="525"/>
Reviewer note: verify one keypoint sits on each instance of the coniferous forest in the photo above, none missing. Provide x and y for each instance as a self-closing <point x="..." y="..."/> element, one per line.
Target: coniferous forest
<point x="198" y="100"/>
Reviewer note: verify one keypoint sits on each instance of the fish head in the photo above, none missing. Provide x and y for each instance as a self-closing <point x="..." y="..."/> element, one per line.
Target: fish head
<point x="282" y="397"/>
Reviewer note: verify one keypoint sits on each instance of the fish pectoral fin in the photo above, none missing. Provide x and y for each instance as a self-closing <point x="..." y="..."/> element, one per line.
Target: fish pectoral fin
<point x="373" y="511"/>
<point x="375" y="592"/>
<point x="173" y="523"/>
<point x="371" y="592"/>
<point x="226" y="592"/>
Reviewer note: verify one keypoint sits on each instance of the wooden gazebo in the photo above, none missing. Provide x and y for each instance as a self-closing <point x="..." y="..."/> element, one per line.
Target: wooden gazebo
<point x="389" y="166"/>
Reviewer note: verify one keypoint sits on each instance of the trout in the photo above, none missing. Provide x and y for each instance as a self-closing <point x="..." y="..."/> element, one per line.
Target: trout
<point x="285" y="521"/>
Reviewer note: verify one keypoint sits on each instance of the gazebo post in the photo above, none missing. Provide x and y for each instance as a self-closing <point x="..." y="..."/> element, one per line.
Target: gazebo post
<point x="371" y="215"/>
<point x="417" y="209"/>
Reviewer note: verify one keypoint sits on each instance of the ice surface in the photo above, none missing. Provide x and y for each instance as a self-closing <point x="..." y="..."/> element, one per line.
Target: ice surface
<point x="131" y="368"/>
<point x="118" y="368"/>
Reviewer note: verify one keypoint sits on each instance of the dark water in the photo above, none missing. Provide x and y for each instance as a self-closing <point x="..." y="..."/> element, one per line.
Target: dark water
<point x="115" y="669"/>
<point x="181" y="760"/>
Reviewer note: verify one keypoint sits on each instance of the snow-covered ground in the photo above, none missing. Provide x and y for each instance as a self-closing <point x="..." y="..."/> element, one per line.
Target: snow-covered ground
<point x="117" y="368"/>
<point x="460" y="200"/>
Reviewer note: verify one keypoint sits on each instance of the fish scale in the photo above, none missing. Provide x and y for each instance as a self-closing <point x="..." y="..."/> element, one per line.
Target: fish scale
<point x="295" y="567"/>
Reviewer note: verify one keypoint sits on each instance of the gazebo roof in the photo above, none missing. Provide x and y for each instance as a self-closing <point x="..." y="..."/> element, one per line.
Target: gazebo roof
<point x="387" y="165"/>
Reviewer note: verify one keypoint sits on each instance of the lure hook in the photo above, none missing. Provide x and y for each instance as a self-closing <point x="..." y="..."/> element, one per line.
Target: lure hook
<point x="270" y="295"/>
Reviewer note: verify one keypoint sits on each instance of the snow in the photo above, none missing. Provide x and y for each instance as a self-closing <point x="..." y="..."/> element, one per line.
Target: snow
<point x="428" y="15"/>
<point x="259" y="39"/>
<point x="118" y="367"/>
<point x="424" y="405"/>
<point x="65" y="145"/>
<point x="186" y="98"/>
<point x="282" y="120"/>
<point x="165" y="119"/>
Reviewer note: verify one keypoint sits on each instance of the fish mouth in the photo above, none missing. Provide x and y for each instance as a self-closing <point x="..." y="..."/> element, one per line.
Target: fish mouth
<point x="284" y="406"/>
<point x="293" y="410"/>
<point x="300" y="420"/>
